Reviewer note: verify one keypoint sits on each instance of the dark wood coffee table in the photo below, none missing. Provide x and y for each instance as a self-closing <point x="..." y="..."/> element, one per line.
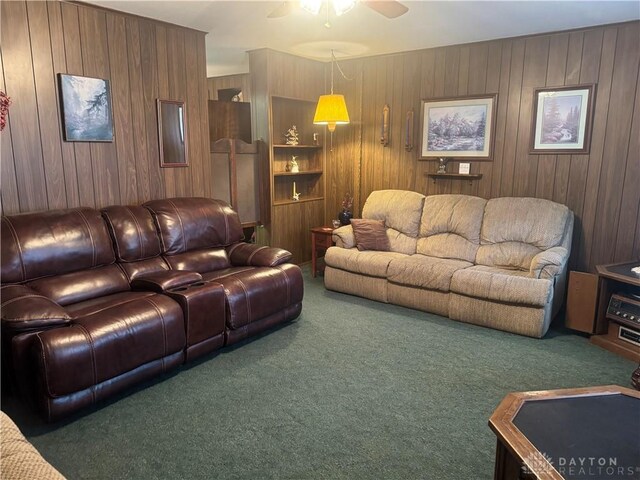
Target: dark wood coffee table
<point x="579" y="433"/>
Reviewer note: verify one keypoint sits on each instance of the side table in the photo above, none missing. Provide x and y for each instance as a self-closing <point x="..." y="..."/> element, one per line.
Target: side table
<point x="320" y="241"/>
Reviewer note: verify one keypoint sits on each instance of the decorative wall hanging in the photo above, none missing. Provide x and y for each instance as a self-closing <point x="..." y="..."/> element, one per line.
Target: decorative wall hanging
<point x="5" y="101"/>
<point x="408" y="138"/>
<point x="384" y="134"/>
<point x="86" y="109"/>
<point x="458" y="127"/>
<point x="562" y="118"/>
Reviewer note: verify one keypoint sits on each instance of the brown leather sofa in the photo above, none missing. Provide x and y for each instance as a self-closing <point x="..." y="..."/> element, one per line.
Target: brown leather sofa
<point x="94" y="302"/>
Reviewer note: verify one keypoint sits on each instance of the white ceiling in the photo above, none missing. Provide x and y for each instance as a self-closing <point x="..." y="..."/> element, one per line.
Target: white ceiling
<point x="236" y="27"/>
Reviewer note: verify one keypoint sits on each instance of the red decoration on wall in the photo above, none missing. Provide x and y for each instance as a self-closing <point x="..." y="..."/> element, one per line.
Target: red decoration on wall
<point x="4" y="109"/>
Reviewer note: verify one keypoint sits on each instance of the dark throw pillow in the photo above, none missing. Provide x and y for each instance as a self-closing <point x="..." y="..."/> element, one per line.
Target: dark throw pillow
<point x="370" y="234"/>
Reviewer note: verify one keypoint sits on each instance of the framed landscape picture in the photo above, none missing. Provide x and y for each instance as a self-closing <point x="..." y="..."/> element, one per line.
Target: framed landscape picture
<point x="458" y="127"/>
<point x="86" y="109"/>
<point x="562" y="118"/>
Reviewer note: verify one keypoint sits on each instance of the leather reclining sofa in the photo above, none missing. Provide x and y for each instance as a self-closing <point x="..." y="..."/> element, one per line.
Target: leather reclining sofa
<point x="96" y="301"/>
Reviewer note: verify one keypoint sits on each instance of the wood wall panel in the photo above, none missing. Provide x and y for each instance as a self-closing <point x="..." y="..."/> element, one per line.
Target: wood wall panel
<point x="601" y="188"/>
<point x="41" y="171"/>
<point x="241" y="81"/>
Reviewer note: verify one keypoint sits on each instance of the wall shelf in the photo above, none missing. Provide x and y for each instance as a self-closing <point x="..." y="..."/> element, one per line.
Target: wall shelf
<point x="299" y="147"/>
<point x="458" y="176"/>
<point x="302" y="200"/>
<point x="309" y="172"/>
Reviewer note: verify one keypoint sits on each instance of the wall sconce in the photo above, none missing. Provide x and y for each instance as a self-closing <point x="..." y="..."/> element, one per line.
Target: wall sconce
<point x="331" y="109"/>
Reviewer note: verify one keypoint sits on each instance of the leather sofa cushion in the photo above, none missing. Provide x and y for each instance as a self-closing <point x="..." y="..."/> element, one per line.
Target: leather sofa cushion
<point x="53" y="243"/>
<point x="370" y="234"/>
<point x="425" y="272"/>
<point x="187" y="224"/>
<point x="254" y="294"/>
<point x="200" y="260"/>
<point x="500" y="285"/>
<point x="108" y="343"/>
<point x="133" y="232"/>
<point x="450" y="226"/>
<point x="89" y="307"/>
<point x="371" y="263"/>
<point x="84" y="285"/>
<point x="398" y="209"/>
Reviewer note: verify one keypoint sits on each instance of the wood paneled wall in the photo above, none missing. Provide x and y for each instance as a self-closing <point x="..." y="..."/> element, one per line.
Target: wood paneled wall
<point x="601" y="188"/>
<point x="281" y="74"/>
<point x="144" y="60"/>
<point x="241" y="81"/>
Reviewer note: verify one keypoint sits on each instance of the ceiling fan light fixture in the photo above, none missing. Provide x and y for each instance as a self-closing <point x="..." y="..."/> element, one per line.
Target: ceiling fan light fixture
<point x="311" y="6"/>
<point x="342" y="6"/>
<point x="331" y="111"/>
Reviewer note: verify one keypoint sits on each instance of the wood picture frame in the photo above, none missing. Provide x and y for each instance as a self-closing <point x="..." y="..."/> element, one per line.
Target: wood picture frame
<point x="172" y="133"/>
<point x="87" y="115"/>
<point x="562" y="119"/>
<point x="458" y="127"/>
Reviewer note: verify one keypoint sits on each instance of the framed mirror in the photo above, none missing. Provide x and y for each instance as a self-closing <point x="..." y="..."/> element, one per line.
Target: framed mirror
<point x="172" y="134"/>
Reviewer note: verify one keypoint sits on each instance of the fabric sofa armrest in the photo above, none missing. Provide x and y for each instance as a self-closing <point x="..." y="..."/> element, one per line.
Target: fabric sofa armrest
<point x="160" y="282"/>
<point x="24" y="309"/>
<point x="249" y="254"/>
<point x="549" y="263"/>
<point x="344" y="237"/>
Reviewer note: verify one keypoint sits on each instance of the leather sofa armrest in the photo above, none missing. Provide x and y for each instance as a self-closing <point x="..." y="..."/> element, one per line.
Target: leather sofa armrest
<point x="160" y="282"/>
<point x="249" y="254"/>
<point x="549" y="263"/>
<point x="344" y="237"/>
<point x="24" y="309"/>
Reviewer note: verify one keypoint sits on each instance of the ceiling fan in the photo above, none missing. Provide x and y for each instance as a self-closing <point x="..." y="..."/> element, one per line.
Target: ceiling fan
<point x="388" y="8"/>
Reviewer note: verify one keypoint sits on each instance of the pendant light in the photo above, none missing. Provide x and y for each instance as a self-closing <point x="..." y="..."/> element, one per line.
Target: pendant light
<point x="331" y="109"/>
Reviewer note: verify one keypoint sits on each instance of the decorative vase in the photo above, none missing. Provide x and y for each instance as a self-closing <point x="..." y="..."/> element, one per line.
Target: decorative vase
<point x="345" y="217"/>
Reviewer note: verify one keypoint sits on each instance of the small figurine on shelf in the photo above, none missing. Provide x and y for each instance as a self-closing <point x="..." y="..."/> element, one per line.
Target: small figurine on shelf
<point x="294" y="168"/>
<point x="296" y="195"/>
<point x="292" y="137"/>
<point x="316" y="139"/>
<point x="442" y="168"/>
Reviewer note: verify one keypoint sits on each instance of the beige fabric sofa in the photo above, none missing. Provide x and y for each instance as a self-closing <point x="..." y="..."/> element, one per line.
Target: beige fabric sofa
<point x="19" y="460"/>
<point x="499" y="263"/>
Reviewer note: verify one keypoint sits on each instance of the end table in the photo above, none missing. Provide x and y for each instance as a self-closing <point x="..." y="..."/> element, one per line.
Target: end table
<point x="320" y="241"/>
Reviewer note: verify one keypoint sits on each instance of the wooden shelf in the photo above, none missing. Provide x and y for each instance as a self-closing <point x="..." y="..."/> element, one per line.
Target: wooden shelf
<point x="300" y="147"/>
<point x="308" y="172"/>
<point x="288" y="202"/>
<point x="468" y="176"/>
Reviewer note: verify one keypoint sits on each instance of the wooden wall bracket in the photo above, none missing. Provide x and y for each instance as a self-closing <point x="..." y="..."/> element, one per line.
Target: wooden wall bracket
<point x="408" y="139"/>
<point x="384" y="135"/>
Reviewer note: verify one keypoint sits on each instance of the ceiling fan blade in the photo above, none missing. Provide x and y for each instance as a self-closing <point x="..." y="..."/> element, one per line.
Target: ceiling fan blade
<point x="388" y="8"/>
<point x="285" y="8"/>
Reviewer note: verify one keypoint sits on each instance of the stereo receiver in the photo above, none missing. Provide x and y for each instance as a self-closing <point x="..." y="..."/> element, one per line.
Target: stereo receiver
<point x="625" y="310"/>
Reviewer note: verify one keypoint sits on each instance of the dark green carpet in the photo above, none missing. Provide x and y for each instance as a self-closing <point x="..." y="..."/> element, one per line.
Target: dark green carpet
<point x="353" y="389"/>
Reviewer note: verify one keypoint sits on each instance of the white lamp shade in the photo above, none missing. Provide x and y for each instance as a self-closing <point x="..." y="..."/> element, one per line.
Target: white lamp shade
<point x="331" y="111"/>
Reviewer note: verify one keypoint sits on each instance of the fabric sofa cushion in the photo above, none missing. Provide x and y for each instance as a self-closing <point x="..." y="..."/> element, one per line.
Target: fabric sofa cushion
<point x="133" y="232"/>
<point x="514" y="230"/>
<point x="502" y="286"/>
<point x="38" y="245"/>
<point x="371" y="263"/>
<point x="370" y="234"/>
<point x="398" y="241"/>
<point x="425" y="272"/>
<point x="187" y="224"/>
<point x="398" y="209"/>
<point x="450" y="226"/>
